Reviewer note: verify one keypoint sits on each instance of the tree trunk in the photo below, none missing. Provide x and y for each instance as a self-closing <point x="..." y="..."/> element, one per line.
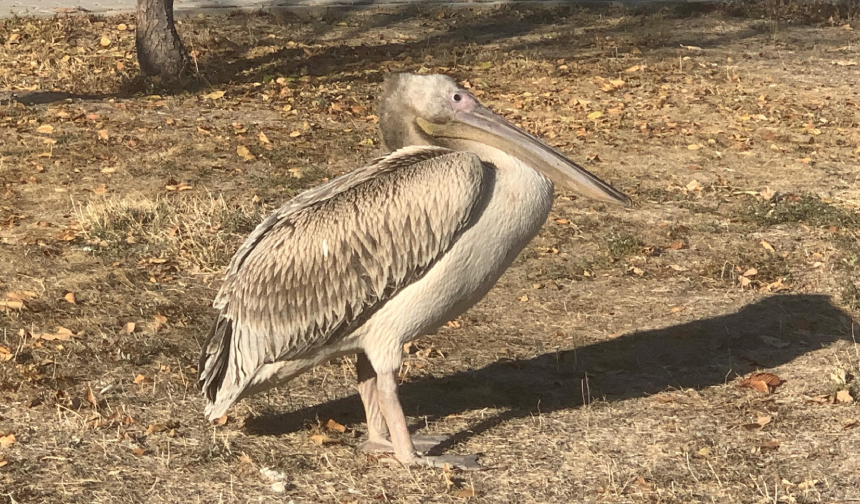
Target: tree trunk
<point x="159" y="50"/>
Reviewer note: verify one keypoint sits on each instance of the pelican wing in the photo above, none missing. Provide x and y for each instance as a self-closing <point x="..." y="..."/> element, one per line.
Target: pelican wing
<point x="319" y="266"/>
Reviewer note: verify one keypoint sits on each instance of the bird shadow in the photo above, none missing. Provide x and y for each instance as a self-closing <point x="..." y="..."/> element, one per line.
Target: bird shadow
<point x="698" y="354"/>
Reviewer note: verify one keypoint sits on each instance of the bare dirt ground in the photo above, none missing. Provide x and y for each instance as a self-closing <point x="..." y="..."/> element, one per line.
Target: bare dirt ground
<point x="605" y="365"/>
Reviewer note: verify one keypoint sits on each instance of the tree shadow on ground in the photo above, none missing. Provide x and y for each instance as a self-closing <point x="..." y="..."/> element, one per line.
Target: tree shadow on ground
<point x="500" y="25"/>
<point x="696" y="354"/>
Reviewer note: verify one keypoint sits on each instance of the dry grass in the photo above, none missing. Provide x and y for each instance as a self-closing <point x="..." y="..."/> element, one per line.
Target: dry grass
<point x="603" y="368"/>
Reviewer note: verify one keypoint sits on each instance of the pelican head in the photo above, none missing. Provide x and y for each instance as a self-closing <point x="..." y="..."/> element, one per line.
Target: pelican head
<point x="434" y="110"/>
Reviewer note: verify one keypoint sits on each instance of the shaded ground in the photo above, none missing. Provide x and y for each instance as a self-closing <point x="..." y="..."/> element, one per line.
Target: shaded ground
<point x="604" y="366"/>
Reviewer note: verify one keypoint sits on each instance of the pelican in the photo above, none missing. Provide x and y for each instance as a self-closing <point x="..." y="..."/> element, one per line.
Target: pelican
<point x="386" y="253"/>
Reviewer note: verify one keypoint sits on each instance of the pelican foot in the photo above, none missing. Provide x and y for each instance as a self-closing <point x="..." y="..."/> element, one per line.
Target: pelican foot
<point x="463" y="462"/>
<point x="422" y="444"/>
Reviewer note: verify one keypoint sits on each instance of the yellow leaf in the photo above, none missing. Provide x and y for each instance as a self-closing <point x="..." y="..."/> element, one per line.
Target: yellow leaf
<point x="103" y="134"/>
<point x="263" y="138"/>
<point x="104" y="42"/>
<point x="7" y="439"/>
<point x="844" y="397"/>
<point x="46" y="129"/>
<point x="122" y="27"/>
<point x="294" y="134"/>
<point x="128" y="328"/>
<point x="244" y="153"/>
<point x="214" y="95"/>
<point x="70" y="297"/>
<point x="694" y="146"/>
<point x="767" y="246"/>
<point x="322" y="439"/>
<point x="595" y="115"/>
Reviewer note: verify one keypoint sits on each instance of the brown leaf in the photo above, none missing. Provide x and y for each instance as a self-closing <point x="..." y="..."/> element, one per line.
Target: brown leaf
<point x="154" y="428"/>
<point x="465" y="493"/>
<point x="769" y="378"/>
<point x="7" y="440"/>
<point x="334" y="426"/>
<point x="91" y="398"/>
<point x="158" y="321"/>
<point x="70" y="297"/>
<point x="103" y="134"/>
<point x="104" y="41"/>
<point x="844" y="397"/>
<point x="138" y="452"/>
<point x="128" y="328"/>
<point x="263" y="138"/>
<point x="140" y="379"/>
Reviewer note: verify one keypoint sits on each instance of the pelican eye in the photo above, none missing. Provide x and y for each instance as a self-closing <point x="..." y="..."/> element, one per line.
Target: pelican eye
<point x="456" y="97"/>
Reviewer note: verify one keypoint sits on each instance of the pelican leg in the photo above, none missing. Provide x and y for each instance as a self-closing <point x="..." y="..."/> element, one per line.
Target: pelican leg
<point x="404" y="449"/>
<point x="377" y="430"/>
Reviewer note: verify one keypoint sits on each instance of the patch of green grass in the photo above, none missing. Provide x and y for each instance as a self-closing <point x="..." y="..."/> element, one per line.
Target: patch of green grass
<point x="621" y="245"/>
<point x="807" y="208"/>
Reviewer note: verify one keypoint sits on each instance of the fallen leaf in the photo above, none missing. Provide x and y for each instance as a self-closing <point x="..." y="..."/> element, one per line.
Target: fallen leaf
<point x="62" y="334"/>
<point x="138" y="452"/>
<point x="244" y="153"/>
<point x="5" y="354"/>
<point x="465" y="493"/>
<point x="122" y="27"/>
<point x="128" y="328"/>
<point x="70" y="297"/>
<point x="322" y="439"/>
<point x="103" y="134"/>
<point x="334" y="426"/>
<point x="595" y="115"/>
<point x="141" y="379"/>
<point x="751" y="272"/>
<point x="155" y="428"/>
<point x="7" y="440"/>
<point x="263" y="138"/>
<point x="12" y="304"/>
<point x="158" y="321"/>
<point x="91" y="398"/>
<point x="214" y="95"/>
<point x="46" y="129"/>
<point x="694" y="146"/>
<point x="694" y="185"/>
<point x="844" y="397"/>
<point x="763" y="382"/>
<point x="767" y="246"/>
<point x="104" y="42"/>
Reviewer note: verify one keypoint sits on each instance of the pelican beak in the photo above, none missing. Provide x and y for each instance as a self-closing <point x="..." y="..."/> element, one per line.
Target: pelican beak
<point x="478" y="124"/>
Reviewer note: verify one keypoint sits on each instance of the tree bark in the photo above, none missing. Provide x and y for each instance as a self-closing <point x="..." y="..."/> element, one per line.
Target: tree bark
<point x="159" y="50"/>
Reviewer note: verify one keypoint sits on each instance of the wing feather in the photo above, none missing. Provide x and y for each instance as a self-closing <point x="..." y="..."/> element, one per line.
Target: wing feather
<point x="315" y="269"/>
